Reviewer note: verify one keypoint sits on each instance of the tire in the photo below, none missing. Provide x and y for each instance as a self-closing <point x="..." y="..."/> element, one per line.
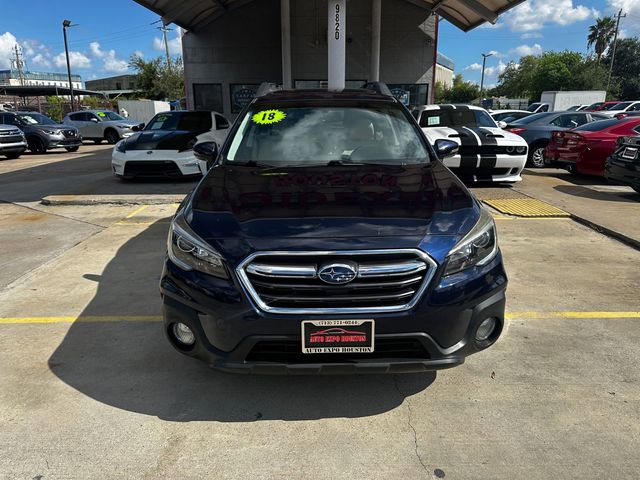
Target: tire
<point x="536" y="156"/>
<point x="36" y="145"/>
<point x="97" y="141"/>
<point x="637" y="189"/>
<point x="71" y="149"/>
<point x="12" y="156"/>
<point x="111" y="136"/>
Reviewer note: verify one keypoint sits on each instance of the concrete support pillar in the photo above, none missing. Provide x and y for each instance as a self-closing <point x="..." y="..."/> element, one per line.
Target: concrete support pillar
<point x="376" y="15"/>
<point x="336" y="36"/>
<point x="285" y="28"/>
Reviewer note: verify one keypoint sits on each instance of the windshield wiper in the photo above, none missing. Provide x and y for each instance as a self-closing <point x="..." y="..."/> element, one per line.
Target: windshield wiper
<point x="252" y="163"/>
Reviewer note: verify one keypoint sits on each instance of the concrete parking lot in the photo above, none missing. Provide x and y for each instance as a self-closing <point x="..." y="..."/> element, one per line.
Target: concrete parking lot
<point x="89" y="387"/>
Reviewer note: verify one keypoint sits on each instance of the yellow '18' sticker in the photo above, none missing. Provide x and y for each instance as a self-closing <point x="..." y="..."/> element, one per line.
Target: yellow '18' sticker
<point x="267" y="117"/>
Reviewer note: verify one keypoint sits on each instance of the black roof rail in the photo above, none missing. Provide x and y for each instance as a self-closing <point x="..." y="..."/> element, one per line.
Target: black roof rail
<point x="267" y="87"/>
<point x="379" y="87"/>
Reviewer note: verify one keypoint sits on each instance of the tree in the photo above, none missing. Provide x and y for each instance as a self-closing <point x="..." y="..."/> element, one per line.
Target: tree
<point x="626" y="68"/>
<point x="158" y="80"/>
<point x="461" y="92"/>
<point x="440" y="92"/>
<point x="600" y="35"/>
<point x="55" y="107"/>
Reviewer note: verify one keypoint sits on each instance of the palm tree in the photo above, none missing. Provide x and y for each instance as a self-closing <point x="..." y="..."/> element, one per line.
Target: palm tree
<point x="601" y="35"/>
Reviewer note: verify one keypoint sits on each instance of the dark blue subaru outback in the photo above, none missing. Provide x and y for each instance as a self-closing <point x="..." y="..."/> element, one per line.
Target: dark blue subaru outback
<point x="327" y="237"/>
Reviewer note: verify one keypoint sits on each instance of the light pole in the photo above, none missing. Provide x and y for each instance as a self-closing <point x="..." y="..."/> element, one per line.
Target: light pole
<point x="484" y="63"/>
<point x="66" y="24"/>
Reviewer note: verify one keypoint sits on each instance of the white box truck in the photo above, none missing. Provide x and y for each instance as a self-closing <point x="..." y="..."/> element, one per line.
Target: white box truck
<point x="143" y="110"/>
<point x="562" y="100"/>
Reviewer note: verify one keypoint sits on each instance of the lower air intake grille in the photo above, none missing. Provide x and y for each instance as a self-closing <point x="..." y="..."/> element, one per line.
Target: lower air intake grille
<point x="358" y="281"/>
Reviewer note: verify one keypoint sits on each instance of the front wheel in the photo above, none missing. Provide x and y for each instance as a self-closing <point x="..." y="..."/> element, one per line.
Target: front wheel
<point x="36" y="145"/>
<point x="536" y="157"/>
<point x="111" y="136"/>
<point x="71" y="149"/>
<point x="12" y="156"/>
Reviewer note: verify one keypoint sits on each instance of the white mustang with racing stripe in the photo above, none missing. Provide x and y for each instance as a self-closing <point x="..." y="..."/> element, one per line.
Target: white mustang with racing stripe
<point x="486" y="153"/>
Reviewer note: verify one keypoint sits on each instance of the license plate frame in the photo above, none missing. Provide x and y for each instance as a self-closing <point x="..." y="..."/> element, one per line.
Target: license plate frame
<point x="338" y="336"/>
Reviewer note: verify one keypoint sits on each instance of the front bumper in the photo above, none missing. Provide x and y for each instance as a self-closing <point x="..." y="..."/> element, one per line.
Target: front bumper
<point x="13" y="147"/>
<point x="623" y="171"/>
<point x="480" y="168"/>
<point x="63" y="142"/>
<point x="155" y="164"/>
<point x="233" y="335"/>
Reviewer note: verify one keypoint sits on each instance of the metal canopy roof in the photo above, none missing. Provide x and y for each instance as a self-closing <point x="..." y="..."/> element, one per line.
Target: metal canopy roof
<point x="44" y="90"/>
<point x="195" y="14"/>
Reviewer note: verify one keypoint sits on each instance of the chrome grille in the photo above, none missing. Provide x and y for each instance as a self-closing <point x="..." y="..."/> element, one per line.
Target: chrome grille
<point x="12" y="132"/>
<point x="288" y="282"/>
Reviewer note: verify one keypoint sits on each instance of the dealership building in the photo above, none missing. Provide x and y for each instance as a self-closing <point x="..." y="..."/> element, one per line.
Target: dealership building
<point x="231" y="46"/>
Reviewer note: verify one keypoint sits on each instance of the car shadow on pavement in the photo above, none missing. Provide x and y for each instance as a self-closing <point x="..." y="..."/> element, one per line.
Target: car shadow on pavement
<point x="605" y="194"/>
<point x="85" y="172"/>
<point x="131" y="366"/>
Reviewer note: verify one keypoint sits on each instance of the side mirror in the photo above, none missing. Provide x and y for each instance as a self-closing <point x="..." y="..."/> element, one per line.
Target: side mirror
<point x="446" y="148"/>
<point x="207" y="152"/>
<point x="502" y="124"/>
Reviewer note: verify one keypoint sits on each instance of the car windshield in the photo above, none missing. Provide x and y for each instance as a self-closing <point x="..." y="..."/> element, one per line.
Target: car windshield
<point x="307" y="134"/>
<point x="597" y="126"/>
<point x="188" y="121"/>
<point x="36" y="119"/>
<point x="107" y="115"/>
<point x="533" y="107"/>
<point x="593" y="106"/>
<point x="531" y="118"/>
<point x="453" y="117"/>
<point x="621" y="106"/>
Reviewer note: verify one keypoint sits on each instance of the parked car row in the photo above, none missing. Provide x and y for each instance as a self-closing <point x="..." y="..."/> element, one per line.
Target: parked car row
<point x="40" y="133"/>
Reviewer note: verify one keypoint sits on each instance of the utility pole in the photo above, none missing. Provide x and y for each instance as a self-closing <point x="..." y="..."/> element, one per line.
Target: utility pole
<point x="164" y="29"/>
<point x="484" y="63"/>
<point x="615" y="41"/>
<point x="18" y="63"/>
<point x="66" y="24"/>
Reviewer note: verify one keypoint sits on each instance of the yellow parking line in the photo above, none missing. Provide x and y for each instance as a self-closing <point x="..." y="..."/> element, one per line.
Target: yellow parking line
<point x="158" y="318"/>
<point x="512" y="315"/>
<point x="81" y="319"/>
<point x="137" y="211"/>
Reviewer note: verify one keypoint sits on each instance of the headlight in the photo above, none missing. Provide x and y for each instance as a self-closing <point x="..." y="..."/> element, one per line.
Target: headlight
<point x="124" y="126"/>
<point x="120" y="146"/>
<point x="478" y="247"/>
<point x="521" y="149"/>
<point x="190" y="252"/>
<point x="51" y="132"/>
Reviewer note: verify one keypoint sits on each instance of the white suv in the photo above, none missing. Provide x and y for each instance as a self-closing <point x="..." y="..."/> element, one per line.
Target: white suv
<point x="99" y="125"/>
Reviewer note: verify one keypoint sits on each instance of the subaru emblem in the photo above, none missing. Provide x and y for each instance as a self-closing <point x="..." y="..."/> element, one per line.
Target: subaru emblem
<point x="338" y="273"/>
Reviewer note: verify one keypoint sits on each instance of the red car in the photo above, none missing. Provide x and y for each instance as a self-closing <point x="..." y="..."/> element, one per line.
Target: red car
<point x="598" y="106"/>
<point x="584" y="149"/>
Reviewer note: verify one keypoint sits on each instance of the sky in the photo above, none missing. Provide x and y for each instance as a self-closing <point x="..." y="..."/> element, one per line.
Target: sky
<point x="106" y="37"/>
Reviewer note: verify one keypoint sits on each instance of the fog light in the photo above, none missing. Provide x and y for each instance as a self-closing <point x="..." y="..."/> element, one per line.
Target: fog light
<point x="486" y="329"/>
<point x="183" y="334"/>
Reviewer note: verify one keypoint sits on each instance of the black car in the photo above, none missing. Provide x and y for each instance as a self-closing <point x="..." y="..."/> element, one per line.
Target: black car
<point x="43" y="133"/>
<point x="623" y="166"/>
<point x="536" y="129"/>
<point x="328" y="237"/>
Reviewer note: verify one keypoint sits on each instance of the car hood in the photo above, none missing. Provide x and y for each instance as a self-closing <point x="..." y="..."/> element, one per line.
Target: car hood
<point x="473" y="135"/>
<point x="159" y="140"/>
<point x="57" y="126"/>
<point x="331" y="203"/>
